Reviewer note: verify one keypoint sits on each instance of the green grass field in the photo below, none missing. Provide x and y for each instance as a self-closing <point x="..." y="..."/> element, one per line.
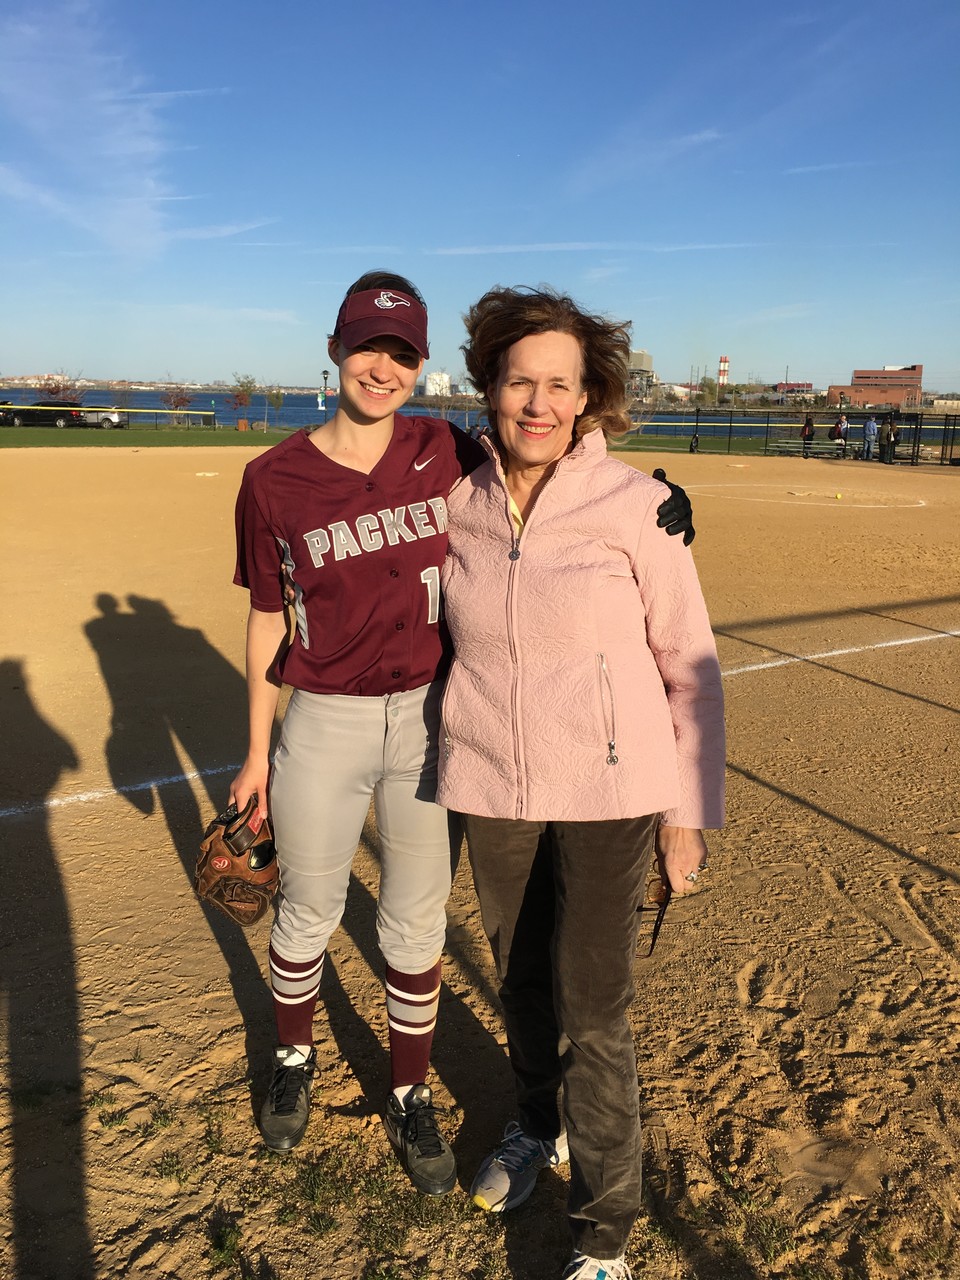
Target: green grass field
<point x="142" y="438"/>
<point x="649" y="443"/>
<point x="152" y="438"/>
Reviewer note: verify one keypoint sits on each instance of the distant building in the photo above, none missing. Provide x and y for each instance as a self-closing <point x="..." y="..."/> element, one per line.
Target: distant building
<point x="793" y="388"/>
<point x="640" y="374"/>
<point x="437" y="384"/>
<point x="896" y="386"/>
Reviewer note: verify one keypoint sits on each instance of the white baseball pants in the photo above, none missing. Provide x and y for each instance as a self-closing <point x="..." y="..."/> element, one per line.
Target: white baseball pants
<point x="335" y="752"/>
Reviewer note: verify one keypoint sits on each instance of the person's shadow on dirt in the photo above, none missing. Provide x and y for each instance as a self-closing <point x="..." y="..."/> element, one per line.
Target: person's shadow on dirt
<point x="171" y="688"/>
<point x="38" y="986"/>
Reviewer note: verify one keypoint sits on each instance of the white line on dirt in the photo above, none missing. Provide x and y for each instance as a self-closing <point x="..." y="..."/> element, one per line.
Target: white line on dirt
<point x="837" y="653"/>
<point x="784" y="499"/>
<point x="104" y="793"/>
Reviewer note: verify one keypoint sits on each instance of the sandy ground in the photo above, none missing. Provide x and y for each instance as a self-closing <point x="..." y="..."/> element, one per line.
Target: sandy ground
<point x="797" y="1029"/>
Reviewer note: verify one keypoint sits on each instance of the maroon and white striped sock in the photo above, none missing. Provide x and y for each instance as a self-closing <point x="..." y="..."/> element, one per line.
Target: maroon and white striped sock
<point x="412" y="1000"/>
<point x="294" y="984"/>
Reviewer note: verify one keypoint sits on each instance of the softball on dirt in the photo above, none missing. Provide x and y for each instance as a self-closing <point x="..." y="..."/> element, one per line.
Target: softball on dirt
<point x="839" y="495"/>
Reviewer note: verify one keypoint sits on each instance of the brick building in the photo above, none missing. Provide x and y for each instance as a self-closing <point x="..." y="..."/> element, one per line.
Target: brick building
<point x="895" y="386"/>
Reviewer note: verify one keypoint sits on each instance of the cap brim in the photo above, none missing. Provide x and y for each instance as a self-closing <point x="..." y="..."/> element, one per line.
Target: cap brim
<point x="356" y="332"/>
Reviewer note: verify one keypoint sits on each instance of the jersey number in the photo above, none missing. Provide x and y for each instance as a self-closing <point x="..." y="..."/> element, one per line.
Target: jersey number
<point x="431" y="578"/>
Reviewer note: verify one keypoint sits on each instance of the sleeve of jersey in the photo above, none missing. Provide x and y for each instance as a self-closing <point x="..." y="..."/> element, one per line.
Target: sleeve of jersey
<point x="258" y="552"/>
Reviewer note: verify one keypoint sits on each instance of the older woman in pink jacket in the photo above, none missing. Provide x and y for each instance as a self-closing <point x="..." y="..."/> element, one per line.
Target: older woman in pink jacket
<point x="582" y="728"/>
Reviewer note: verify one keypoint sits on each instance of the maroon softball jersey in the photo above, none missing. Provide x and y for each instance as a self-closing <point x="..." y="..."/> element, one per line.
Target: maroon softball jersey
<point x="364" y="553"/>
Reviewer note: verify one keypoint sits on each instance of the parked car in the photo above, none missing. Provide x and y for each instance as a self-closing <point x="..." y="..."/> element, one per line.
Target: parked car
<point x="105" y="417"/>
<point x="45" y="413"/>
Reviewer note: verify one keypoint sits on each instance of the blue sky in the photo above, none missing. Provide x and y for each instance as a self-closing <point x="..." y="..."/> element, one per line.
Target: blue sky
<point x="187" y="188"/>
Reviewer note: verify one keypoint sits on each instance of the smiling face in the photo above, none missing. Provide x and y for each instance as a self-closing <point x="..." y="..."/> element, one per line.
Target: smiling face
<point x="537" y="398"/>
<point x="377" y="378"/>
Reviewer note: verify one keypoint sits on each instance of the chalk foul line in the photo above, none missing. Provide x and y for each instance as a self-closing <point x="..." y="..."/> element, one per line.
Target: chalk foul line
<point x="103" y="793"/>
<point x="52" y="803"/>
<point x="837" y="653"/>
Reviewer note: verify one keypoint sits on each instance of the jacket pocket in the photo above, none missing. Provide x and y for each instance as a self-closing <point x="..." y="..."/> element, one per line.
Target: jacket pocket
<point x="444" y="734"/>
<point x="608" y="707"/>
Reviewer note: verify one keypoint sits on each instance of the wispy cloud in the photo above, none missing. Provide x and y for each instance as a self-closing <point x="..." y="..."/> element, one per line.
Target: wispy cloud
<point x="620" y="158"/>
<point x="227" y="315"/>
<point x="371" y="249"/>
<point x="587" y="246"/>
<point x="218" y="232"/>
<point x="87" y="141"/>
<point x="605" y="272"/>
<point x="14" y="185"/>
<point x="170" y="95"/>
<point x="831" y="166"/>
<point x="168" y="199"/>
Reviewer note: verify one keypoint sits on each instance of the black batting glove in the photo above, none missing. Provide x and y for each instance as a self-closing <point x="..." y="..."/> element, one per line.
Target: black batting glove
<point x="675" y="513"/>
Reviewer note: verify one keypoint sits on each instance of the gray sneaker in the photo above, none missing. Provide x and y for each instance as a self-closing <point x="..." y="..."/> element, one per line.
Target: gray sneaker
<point x="507" y="1177"/>
<point x="583" y="1267"/>
<point x="283" y="1119"/>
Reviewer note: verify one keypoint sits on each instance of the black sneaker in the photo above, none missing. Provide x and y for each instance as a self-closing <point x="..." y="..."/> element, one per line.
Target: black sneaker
<point x="422" y="1148"/>
<point x="284" y="1116"/>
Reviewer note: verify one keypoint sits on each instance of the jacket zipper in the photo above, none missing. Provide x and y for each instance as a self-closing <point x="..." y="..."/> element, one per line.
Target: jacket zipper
<point x="611" y="724"/>
<point x="514" y="556"/>
<point x="515" y="661"/>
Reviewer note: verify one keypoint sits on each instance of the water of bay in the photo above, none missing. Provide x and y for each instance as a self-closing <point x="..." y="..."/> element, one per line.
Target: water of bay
<point x="146" y="409"/>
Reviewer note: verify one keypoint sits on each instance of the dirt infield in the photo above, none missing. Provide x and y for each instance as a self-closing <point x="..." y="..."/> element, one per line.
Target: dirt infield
<point x="797" y="1030"/>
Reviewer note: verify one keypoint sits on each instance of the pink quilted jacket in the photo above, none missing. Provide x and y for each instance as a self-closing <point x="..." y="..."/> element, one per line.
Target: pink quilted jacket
<point x="586" y="684"/>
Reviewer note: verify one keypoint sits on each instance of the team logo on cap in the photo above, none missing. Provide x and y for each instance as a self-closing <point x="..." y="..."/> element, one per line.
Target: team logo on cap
<point x="387" y="300"/>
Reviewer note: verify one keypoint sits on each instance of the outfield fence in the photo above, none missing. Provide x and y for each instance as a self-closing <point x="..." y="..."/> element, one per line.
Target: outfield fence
<point x="930" y="438"/>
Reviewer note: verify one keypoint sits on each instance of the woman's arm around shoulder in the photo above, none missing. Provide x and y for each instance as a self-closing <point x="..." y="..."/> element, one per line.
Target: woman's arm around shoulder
<point x="681" y="640"/>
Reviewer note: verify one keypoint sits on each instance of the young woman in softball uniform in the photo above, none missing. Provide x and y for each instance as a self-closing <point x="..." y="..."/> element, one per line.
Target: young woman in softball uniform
<point x="353" y="517"/>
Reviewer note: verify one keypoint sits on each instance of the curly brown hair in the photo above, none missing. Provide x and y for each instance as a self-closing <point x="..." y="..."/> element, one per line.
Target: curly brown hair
<point x="504" y="316"/>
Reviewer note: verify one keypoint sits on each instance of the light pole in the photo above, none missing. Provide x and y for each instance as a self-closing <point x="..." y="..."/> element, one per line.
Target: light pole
<point x="326" y="375"/>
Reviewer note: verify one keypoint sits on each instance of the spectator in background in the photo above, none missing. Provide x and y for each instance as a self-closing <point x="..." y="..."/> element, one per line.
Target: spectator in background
<point x="870" y="433"/>
<point x="888" y="438"/>
<point x="807" y="432"/>
<point x="841" y="437"/>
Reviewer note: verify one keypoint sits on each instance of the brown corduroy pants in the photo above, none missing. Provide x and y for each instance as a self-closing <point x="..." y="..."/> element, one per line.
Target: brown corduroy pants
<point x="560" y="904"/>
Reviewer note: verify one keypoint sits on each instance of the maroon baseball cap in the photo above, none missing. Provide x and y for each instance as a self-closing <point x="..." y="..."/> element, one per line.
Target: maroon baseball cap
<point x="376" y="312"/>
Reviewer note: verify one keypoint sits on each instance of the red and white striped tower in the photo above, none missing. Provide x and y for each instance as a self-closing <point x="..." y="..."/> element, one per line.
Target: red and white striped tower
<point x="723" y="371"/>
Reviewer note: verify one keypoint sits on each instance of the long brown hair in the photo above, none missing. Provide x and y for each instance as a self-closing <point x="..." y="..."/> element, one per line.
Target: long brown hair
<point x="504" y="316"/>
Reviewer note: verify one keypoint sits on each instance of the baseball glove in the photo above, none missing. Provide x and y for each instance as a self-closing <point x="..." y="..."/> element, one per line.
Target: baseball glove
<point x="237" y="864"/>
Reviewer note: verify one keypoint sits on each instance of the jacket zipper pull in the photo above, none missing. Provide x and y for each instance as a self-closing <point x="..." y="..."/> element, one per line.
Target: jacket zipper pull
<point x="515" y="550"/>
<point x="612" y="758"/>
